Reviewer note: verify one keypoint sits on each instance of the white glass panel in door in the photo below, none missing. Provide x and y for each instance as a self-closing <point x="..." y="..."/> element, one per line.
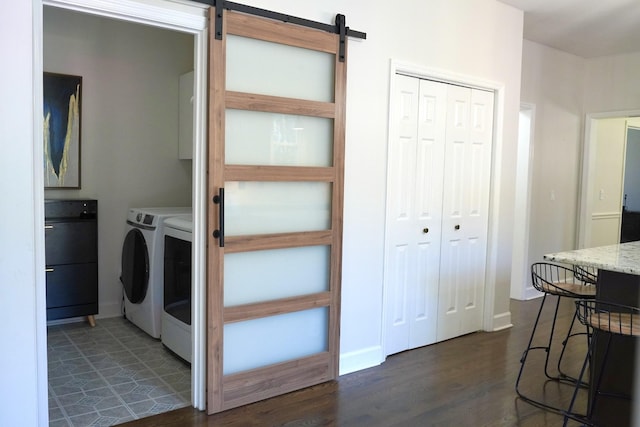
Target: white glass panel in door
<point x="265" y="68"/>
<point x="259" y="276"/>
<point x="269" y="340"/>
<point x="276" y="207"/>
<point x="277" y="139"/>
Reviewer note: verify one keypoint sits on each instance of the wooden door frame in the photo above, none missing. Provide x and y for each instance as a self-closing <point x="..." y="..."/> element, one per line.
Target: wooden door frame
<point x="491" y="321"/>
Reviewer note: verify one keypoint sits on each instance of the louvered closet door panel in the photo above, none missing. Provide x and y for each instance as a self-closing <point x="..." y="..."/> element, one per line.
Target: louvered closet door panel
<point x="276" y="166"/>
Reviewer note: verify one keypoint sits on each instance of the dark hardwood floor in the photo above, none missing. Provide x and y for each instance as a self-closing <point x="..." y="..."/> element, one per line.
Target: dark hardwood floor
<point x="467" y="381"/>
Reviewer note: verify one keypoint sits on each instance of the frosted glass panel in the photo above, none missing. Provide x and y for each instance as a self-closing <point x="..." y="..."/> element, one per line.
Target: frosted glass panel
<point x="256" y="66"/>
<point x="267" y="275"/>
<point x="277" y="139"/>
<point x="263" y="342"/>
<point x="276" y="207"/>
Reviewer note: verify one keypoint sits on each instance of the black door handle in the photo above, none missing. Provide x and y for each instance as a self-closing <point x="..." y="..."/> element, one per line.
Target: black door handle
<point x="219" y="233"/>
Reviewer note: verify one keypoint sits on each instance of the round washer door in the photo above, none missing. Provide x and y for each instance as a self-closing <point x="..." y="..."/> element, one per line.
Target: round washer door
<point x="135" y="266"/>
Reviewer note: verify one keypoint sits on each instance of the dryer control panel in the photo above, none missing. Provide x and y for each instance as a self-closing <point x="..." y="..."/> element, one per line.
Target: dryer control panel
<point x="152" y="217"/>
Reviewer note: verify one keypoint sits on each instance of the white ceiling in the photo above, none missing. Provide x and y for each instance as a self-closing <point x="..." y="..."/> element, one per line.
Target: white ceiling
<point x="587" y="28"/>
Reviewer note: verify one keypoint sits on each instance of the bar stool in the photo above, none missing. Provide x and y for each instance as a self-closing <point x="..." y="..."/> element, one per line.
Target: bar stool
<point x="559" y="281"/>
<point x="586" y="274"/>
<point x="610" y="319"/>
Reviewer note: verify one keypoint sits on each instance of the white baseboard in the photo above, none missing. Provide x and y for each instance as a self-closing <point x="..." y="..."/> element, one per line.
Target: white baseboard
<point x="110" y="310"/>
<point x="531" y="293"/>
<point x="502" y="321"/>
<point x="360" y="359"/>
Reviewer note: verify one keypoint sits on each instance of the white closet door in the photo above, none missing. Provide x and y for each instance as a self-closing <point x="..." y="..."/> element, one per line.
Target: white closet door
<point x="414" y="212"/>
<point x="465" y="211"/>
<point x="437" y="212"/>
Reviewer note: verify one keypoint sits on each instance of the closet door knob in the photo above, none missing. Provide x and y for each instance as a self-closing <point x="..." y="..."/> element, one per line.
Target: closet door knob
<point x="425" y="230"/>
<point x="457" y="227"/>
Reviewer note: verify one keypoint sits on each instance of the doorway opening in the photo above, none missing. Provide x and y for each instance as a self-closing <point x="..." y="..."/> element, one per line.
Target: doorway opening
<point x="185" y="22"/>
<point x="601" y="188"/>
<point x="630" y="230"/>
<point x="521" y="287"/>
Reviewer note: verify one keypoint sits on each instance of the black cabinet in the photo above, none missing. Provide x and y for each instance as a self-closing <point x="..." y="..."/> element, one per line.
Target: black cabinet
<point x="630" y="226"/>
<point x="71" y="249"/>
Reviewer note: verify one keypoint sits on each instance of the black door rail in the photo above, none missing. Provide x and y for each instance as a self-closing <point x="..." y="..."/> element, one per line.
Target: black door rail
<point x="339" y="28"/>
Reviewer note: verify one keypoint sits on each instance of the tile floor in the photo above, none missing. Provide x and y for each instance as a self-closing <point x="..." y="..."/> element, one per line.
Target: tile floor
<point x="110" y="374"/>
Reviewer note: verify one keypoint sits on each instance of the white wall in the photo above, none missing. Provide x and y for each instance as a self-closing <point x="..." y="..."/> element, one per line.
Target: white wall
<point x="19" y="302"/>
<point x="565" y="88"/>
<point x="129" y="141"/>
<point x="482" y="39"/>
<point x="477" y="38"/>
<point x="553" y="81"/>
<point x="611" y="83"/>
<point x="610" y="92"/>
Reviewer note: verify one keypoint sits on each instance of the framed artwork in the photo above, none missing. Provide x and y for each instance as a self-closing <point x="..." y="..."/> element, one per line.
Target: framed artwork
<point x="62" y="118"/>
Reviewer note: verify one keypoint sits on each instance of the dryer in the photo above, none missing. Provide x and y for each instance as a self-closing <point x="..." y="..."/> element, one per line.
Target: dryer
<point x="176" y="313"/>
<point x="142" y="265"/>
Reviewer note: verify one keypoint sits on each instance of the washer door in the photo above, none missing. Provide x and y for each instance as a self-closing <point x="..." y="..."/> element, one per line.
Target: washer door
<point x="135" y="266"/>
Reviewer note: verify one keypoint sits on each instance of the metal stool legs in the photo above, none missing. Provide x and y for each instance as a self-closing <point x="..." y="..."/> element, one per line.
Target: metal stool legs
<point x="561" y="377"/>
<point x="609" y="319"/>
<point x="559" y="281"/>
<point x="569" y="414"/>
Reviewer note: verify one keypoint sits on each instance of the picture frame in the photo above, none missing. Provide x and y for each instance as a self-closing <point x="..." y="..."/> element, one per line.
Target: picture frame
<point x="62" y="117"/>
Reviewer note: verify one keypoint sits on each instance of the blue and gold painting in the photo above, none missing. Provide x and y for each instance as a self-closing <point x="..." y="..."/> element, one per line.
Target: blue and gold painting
<point x="61" y="130"/>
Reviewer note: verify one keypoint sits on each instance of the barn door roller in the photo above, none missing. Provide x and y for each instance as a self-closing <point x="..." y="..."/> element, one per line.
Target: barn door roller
<point x="339" y="28"/>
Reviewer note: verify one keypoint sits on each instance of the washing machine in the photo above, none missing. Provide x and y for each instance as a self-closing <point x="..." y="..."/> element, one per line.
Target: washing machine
<point x="142" y="265"/>
<point x="176" y="313"/>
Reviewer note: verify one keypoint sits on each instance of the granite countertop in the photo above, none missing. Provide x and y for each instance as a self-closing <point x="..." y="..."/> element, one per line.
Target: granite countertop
<point x="624" y="258"/>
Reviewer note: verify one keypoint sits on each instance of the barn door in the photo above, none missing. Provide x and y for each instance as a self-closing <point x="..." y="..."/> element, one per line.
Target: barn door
<point x="275" y="220"/>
